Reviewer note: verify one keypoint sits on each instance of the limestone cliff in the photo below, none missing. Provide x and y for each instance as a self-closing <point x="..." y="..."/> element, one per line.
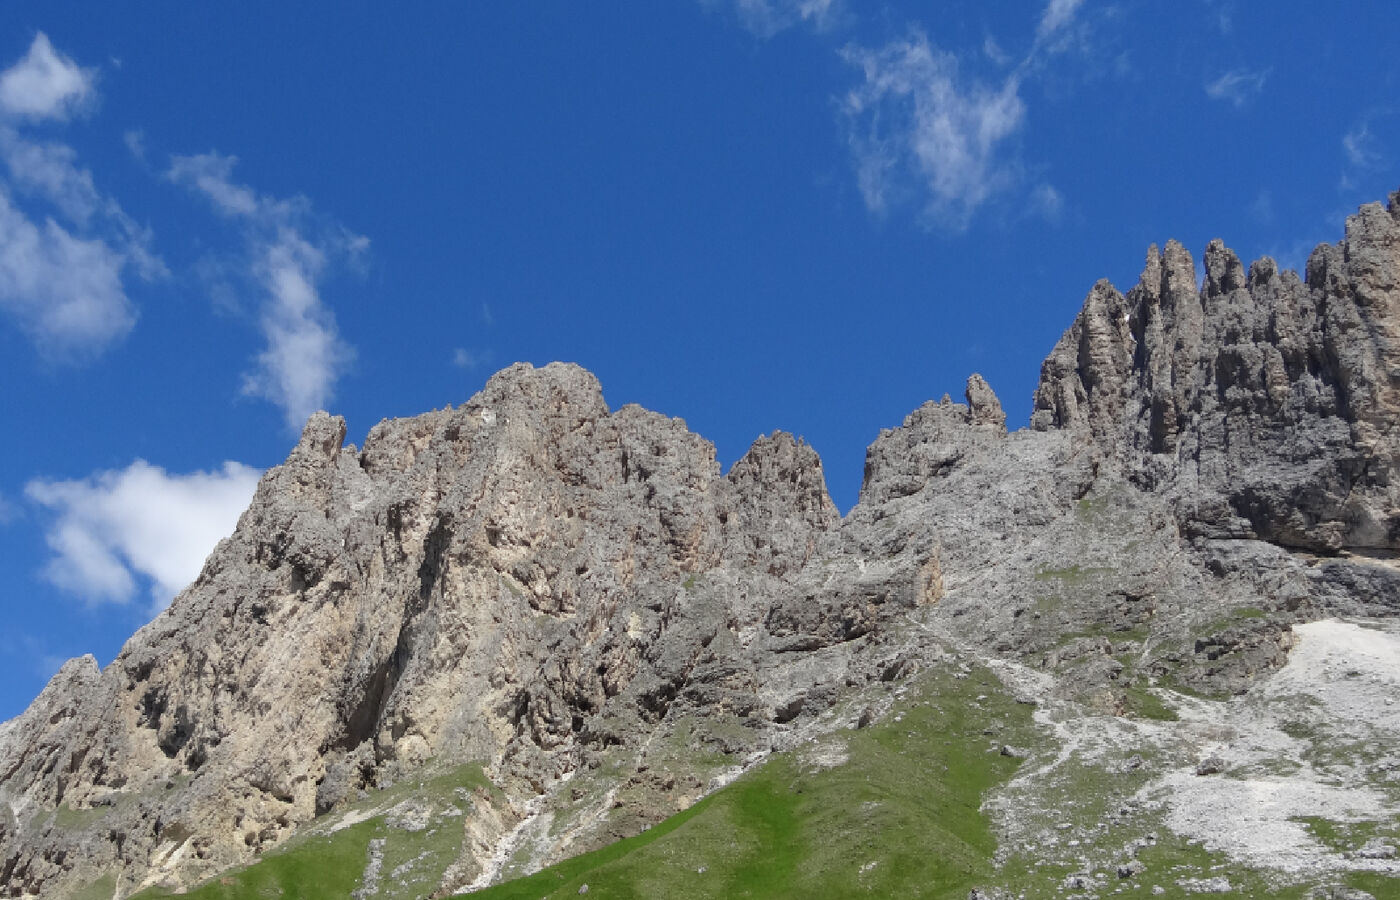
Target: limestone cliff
<point x="1266" y="405"/>
<point x="577" y="598"/>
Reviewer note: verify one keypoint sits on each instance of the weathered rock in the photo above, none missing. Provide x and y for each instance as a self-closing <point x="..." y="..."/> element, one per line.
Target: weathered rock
<point x="554" y="590"/>
<point x="1263" y="405"/>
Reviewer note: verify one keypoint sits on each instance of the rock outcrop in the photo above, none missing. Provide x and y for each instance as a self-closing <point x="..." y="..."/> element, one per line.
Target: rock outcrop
<point x="571" y="595"/>
<point x="1264" y="404"/>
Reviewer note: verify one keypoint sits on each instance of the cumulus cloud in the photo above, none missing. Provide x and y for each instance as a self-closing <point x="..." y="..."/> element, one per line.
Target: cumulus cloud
<point x="115" y="530"/>
<point x="289" y="251"/>
<point x="64" y="246"/>
<point x="45" y="84"/>
<point x="1237" y="87"/>
<point x="915" y="118"/>
<point x="64" y="292"/>
<point x="766" y="18"/>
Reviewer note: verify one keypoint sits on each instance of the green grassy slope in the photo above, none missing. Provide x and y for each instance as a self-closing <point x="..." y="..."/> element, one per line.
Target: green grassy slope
<point x="331" y="866"/>
<point x="898" y="818"/>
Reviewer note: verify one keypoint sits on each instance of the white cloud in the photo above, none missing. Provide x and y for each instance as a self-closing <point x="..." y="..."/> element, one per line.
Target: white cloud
<point x="289" y="251"/>
<point x="1237" y="87"/>
<point x="766" y="18"/>
<point x="463" y="358"/>
<point x="44" y="84"/>
<point x="1360" y="147"/>
<point x="8" y="513"/>
<point x="1057" y="15"/>
<point x="50" y="171"/>
<point x="210" y="173"/>
<point x="63" y="291"/>
<point x="61" y="284"/>
<point x="922" y="129"/>
<point x="1221" y="14"/>
<point x="135" y="140"/>
<point x="1047" y="202"/>
<point x="992" y="50"/>
<point x="914" y="118"/>
<point x="304" y="354"/>
<point x="115" y="529"/>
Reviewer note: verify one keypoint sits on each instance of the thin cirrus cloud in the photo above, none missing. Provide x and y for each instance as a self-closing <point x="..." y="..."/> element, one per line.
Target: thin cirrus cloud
<point x="1237" y="87"/>
<point x="916" y="121"/>
<point x="766" y="18"/>
<point x="115" y="530"/>
<point x="1361" y="148"/>
<point x="923" y="131"/>
<point x="65" y="248"/>
<point x="289" y="250"/>
<point x="1055" y="19"/>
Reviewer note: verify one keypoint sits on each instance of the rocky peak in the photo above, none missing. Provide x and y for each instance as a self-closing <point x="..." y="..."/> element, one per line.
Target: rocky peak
<point x="983" y="406"/>
<point x="1257" y="401"/>
<point x="934" y="439"/>
<point x="779" y="504"/>
<point x="568" y="594"/>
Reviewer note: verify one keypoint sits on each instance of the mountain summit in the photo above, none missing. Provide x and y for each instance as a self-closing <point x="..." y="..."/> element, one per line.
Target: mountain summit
<point x="504" y="634"/>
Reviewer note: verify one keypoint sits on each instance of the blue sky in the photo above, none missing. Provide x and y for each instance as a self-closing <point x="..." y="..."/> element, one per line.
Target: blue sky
<point x="810" y="215"/>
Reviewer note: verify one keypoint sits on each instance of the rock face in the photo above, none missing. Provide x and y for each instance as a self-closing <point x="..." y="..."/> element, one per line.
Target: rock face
<point x="476" y="584"/>
<point x="1265" y="405"/>
<point x="566" y="594"/>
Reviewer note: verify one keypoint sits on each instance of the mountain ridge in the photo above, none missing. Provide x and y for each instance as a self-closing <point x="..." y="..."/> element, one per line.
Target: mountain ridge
<point x="555" y="591"/>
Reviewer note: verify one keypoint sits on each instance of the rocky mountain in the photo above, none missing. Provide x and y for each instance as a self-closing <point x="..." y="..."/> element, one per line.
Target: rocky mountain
<point x="503" y="634"/>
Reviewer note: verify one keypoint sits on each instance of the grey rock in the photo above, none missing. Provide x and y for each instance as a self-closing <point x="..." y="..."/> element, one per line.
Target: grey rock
<point x="1376" y="848"/>
<point x="1262" y="403"/>
<point x="553" y="589"/>
<point x="1218" y="884"/>
<point x="1131" y="868"/>
<point x="1211" y="765"/>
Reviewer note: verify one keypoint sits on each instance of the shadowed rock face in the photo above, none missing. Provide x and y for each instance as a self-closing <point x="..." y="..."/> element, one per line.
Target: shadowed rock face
<point x="551" y="588"/>
<point x="1264" y="405"/>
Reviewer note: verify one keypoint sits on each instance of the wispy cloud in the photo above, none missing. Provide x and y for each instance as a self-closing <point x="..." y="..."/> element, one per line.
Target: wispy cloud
<point x="289" y="251"/>
<point x="1057" y="15"/>
<point x="1237" y="87"/>
<point x="1262" y="209"/>
<point x="62" y="264"/>
<point x="45" y="84"/>
<point x="923" y="130"/>
<point x="1361" y="148"/>
<point x="135" y="140"/>
<point x="113" y="530"/>
<point x="766" y="18"/>
<point x="1047" y="202"/>
<point x="8" y="511"/>
<point x="1221" y="14"/>
<point x="913" y="119"/>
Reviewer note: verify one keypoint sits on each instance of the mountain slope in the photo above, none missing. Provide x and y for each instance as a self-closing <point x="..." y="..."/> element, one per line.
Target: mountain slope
<point x="577" y="604"/>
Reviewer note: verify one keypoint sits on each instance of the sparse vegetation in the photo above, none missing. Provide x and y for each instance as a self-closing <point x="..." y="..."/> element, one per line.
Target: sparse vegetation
<point x="1074" y="574"/>
<point x="900" y="818"/>
<point x="332" y="865"/>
